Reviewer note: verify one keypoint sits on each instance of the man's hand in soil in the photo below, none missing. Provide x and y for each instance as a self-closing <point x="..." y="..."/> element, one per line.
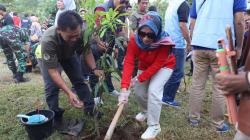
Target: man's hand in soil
<point x="99" y="73"/>
<point x="232" y="84"/>
<point x="123" y="96"/>
<point x="74" y="101"/>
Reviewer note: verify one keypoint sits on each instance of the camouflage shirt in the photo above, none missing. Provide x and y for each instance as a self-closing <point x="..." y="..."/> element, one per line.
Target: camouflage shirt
<point x="14" y="36"/>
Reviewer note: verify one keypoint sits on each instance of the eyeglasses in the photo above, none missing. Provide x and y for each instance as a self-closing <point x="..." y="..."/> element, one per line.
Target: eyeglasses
<point x="149" y="35"/>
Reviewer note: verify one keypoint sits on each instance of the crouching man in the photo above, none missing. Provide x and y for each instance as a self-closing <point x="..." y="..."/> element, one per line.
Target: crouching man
<point x="61" y="46"/>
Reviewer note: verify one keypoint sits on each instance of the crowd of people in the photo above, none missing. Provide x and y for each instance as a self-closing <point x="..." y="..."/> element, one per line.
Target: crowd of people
<point x="152" y="60"/>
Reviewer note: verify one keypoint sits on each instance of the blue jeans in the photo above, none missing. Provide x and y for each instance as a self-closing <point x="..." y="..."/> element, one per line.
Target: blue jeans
<point x="173" y="83"/>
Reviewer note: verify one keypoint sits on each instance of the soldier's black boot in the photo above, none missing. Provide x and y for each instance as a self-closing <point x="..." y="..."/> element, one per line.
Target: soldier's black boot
<point x="20" y="78"/>
<point x="14" y="75"/>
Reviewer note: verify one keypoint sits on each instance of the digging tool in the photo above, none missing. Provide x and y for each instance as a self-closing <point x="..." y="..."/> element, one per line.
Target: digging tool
<point x="224" y="67"/>
<point x="112" y="126"/>
<point x="232" y="58"/>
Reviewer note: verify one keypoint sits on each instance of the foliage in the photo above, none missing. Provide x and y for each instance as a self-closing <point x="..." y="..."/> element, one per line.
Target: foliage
<point x="161" y="7"/>
<point x="41" y="8"/>
<point x="108" y="25"/>
<point x="110" y="21"/>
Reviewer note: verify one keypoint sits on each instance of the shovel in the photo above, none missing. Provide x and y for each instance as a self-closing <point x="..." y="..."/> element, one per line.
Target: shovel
<point x="112" y="126"/>
<point x="34" y="119"/>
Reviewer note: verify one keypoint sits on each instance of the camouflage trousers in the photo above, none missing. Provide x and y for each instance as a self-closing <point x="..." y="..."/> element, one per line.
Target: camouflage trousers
<point x="10" y="48"/>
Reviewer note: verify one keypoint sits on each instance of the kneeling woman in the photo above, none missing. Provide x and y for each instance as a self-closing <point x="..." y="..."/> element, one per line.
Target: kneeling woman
<point x="151" y="46"/>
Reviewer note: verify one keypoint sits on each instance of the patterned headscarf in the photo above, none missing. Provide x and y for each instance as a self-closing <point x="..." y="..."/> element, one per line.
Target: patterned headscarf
<point x="153" y="20"/>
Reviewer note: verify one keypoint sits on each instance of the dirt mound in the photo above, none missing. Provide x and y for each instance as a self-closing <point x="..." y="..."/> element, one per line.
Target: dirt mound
<point x="130" y="131"/>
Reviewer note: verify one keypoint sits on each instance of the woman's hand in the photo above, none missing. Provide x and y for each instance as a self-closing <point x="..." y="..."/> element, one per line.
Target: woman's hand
<point x="123" y="96"/>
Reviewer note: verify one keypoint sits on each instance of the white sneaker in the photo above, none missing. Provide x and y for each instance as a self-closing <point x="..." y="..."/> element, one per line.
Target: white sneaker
<point x="98" y="100"/>
<point x="151" y="132"/>
<point x="142" y="116"/>
<point x="114" y="93"/>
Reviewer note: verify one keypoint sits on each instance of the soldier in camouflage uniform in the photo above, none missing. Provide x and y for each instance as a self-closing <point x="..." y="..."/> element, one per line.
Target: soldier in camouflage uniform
<point x="13" y="40"/>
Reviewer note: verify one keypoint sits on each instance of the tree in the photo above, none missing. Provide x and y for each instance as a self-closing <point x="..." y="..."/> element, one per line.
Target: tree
<point x="41" y="8"/>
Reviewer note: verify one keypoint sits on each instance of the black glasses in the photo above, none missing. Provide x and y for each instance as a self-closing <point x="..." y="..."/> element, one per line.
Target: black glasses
<point x="149" y="35"/>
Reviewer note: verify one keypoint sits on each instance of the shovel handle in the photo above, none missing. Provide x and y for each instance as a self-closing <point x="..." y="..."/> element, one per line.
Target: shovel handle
<point x="111" y="129"/>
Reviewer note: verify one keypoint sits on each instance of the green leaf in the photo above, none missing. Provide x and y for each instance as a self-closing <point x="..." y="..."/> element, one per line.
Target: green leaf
<point x="117" y="77"/>
<point x="105" y="86"/>
<point x="103" y="32"/>
<point x="112" y="61"/>
<point x="97" y="88"/>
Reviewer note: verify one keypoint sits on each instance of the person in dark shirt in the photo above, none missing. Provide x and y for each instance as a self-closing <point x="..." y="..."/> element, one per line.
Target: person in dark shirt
<point x="26" y="22"/>
<point x="7" y="19"/>
<point x="108" y="39"/>
<point x="62" y="45"/>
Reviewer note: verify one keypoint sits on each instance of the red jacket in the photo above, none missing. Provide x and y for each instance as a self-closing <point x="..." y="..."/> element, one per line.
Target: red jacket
<point x="150" y="62"/>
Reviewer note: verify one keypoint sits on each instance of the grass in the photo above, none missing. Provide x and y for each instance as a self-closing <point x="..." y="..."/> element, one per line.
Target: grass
<point x="20" y="98"/>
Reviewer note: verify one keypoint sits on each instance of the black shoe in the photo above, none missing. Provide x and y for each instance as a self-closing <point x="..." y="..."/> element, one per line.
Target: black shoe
<point x="69" y="126"/>
<point x="20" y="79"/>
<point x="58" y="114"/>
<point x="14" y="76"/>
<point x="28" y="69"/>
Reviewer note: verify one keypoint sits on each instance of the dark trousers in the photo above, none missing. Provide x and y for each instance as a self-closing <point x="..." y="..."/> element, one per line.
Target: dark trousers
<point x="72" y="69"/>
<point x="50" y="87"/>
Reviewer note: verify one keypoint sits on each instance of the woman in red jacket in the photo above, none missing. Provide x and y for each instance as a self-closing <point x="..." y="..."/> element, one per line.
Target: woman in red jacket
<point x="151" y="46"/>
